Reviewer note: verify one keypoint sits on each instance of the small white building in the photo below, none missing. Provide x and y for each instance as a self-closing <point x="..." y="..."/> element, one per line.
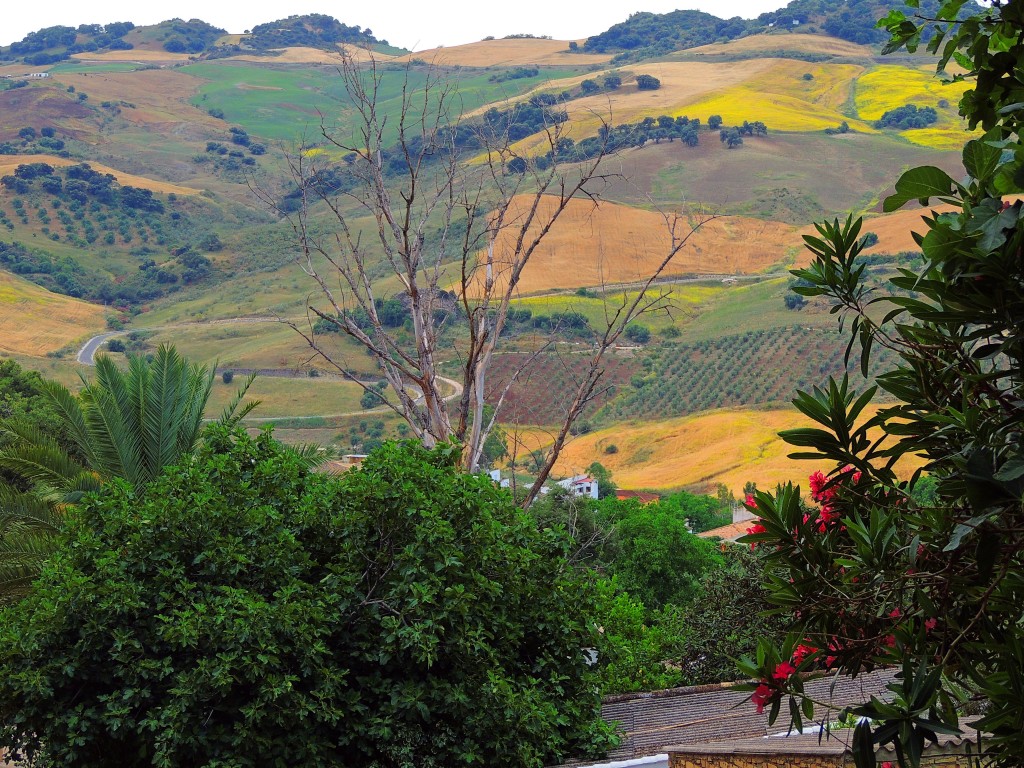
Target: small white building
<point x="580" y="485"/>
<point x="37" y="75"/>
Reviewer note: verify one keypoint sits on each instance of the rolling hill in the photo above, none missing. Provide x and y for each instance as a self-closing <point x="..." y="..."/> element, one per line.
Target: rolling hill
<point x="201" y="130"/>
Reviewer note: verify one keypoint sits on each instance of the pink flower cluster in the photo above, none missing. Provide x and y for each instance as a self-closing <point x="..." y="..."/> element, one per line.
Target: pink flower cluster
<point x="751" y="503"/>
<point x="826" y="496"/>
<point x="770" y="689"/>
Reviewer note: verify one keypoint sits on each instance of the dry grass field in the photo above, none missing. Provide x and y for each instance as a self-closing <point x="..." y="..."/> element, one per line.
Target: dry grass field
<point x="591" y="246"/>
<point x="136" y="54"/>
<point x="507" y="53"/>
<point x="34" y="321"/>
<point x="303" y="55"/>
<point x="42" y="104"/>
<point x="730" y="447"/>
<point x="796" y="41"/>
<point x="9" y="162"/>
<point x="160" y="97"/>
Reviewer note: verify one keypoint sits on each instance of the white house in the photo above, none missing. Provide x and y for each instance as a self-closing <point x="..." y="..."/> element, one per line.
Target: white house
<point x="580" y="485"/>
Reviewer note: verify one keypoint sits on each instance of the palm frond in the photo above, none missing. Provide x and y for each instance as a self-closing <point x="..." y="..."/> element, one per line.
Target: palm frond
<point x="69" y="410"/>
<point x="312" y="454"/>
<point x="235" y="411"/>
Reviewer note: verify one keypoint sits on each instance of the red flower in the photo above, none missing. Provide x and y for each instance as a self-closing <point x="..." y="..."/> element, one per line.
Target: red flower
<point x="817" y="483"/>
<point x="887" y="764"/>
<point x="762" y="696"/>
<point x="890" y="640"/>
<point x="783" y="671"/>
<point x="929" y="624"/>
<point x="750" y="501"/>
<point x="801" y="652"/>
<point x="895" y="613"/>
<point x="756" y="528"/>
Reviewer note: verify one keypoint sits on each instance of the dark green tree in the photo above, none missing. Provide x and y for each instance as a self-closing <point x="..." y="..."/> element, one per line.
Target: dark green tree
<point x="655" y="557"/>
<point x="256" y="613"/>
<point x="647" y="82"/>
<point x="727" y="621"/>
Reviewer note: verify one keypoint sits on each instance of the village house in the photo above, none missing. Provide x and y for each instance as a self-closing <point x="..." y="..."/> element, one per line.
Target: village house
<point x="580" y="485"/>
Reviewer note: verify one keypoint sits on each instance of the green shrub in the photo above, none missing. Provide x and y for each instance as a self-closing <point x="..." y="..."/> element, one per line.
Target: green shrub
<point x="244" y="611"/>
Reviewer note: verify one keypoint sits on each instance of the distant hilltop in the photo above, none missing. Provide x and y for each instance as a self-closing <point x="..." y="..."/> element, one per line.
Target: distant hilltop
<point x="641" y="36"/>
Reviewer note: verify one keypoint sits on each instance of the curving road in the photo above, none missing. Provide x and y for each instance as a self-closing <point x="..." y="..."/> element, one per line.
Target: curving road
<point x="87" y="354"/>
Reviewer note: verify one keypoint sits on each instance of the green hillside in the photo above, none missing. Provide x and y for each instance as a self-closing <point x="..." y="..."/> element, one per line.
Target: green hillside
<point x="210" y="145"/>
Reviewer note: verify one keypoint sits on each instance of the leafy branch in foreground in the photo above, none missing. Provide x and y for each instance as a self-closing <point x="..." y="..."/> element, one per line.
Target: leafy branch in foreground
<point x="871" y="573"/>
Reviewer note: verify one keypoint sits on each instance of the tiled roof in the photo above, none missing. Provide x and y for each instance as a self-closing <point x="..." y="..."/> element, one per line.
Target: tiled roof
<point x="729" y="532"/>
<point x="708" y="713"/>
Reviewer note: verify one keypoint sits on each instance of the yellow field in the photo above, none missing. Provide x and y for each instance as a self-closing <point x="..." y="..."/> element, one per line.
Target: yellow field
<point x="506" y="53"/>
<point x="136" y="54"/>
<point x="591" y="246"/>
<point x="783" y="100"/>
<point x="730" y="446"/>
<point x="9" y="162"/>
<point x="683" y="84"/>
<point x="940" y="138"/>
<point x="832" y="46"/>
<point x="888" y="87"/>
<point x="34" y="321"/>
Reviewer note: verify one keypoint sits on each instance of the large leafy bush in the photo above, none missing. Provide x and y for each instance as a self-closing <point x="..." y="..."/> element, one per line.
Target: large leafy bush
<point x="241" y="611"/>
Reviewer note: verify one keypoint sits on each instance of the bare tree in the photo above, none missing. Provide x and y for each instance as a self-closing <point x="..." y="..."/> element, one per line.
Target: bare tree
<point x="455" y="213"/>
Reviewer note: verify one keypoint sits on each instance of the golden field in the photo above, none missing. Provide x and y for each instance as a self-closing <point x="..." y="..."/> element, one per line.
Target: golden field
<point x="303" y="55"/>
<point x="781" y="98"/>
<point x="136" y="54"/>
<point x="612" y="244"/>
<point x="507" y="53"/>
<point x="34" y="321"/>
<point x="795" y="41"/>
<point x="730" y="447"/>
<point x="9" y="162"/>
<point x="888" y="87"/>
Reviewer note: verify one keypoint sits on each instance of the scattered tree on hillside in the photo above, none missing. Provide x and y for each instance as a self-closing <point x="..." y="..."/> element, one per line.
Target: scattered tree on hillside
<point x="485" y="226"/>
<point x="647" y="83"/>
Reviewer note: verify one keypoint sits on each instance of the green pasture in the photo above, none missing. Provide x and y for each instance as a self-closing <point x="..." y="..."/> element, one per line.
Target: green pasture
<point x="284" y="102"/>
<point x="256" y="345"/>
